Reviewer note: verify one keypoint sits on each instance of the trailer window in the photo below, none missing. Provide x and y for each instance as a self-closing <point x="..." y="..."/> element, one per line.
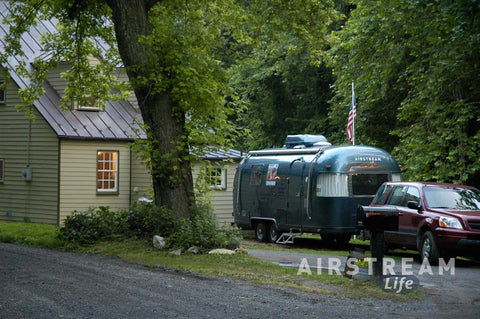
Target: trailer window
<point x="332" y="185"/>
<point x="367" y="184"/>
<point x="256" y="175"/>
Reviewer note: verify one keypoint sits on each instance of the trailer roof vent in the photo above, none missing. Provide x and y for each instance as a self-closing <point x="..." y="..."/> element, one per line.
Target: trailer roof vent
<point x="305" y="140"/>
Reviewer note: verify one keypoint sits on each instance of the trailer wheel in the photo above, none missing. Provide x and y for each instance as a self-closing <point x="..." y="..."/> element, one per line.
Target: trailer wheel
<point x="261" y="232"/>
<point x="273" y="233"/>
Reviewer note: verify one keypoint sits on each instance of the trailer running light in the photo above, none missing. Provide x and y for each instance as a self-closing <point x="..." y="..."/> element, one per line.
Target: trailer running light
<point x="328" y="166"/>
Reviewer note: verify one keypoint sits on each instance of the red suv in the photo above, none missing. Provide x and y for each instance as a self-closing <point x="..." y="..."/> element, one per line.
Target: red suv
<point x="440" y="220"/>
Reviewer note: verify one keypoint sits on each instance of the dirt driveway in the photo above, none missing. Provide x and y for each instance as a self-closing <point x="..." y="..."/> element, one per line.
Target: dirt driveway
<point x="41" y="283"/>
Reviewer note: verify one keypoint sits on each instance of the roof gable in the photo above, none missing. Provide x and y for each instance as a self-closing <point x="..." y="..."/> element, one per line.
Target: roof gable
<point x="119" y="121"/>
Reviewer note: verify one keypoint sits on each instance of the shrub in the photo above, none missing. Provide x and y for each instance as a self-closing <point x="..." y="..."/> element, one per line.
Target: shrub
<point x="146" y="220"/>
<point x="201" y="229"/>
<point x="89" y="227"/>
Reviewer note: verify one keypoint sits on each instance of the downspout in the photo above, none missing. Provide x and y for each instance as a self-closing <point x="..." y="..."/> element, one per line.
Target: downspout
<point x="58" y="179"/>
<point x="130" y="179"/>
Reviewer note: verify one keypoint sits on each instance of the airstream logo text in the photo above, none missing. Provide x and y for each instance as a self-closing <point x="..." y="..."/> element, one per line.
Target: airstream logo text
<point x="368" y="159"/>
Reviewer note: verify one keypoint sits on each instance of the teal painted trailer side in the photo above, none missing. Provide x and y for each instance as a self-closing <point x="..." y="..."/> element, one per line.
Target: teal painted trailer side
<point x="315" y="190"/>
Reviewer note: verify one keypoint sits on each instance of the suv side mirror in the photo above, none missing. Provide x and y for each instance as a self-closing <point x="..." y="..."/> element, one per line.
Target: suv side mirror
<point x="414" y="205"/>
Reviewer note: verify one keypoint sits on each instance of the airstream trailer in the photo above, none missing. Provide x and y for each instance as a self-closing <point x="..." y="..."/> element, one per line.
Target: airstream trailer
<point x="308" y="186"/>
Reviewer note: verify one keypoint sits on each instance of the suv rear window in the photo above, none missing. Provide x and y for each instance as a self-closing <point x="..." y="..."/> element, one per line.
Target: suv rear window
<point x="381" y="194"/>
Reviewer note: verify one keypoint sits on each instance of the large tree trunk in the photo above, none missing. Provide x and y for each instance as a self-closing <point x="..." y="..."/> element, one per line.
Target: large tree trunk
<point x="171" y="169"/>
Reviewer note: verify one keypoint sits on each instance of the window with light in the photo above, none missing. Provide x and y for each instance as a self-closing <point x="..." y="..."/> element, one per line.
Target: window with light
<point x="107" y="172"/>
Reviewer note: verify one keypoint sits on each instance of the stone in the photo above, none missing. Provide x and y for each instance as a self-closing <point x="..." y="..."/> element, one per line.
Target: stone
<point x="177" y="252"/>
<point x="193" y="250"/>
<point x="158" y="242"/>
<point x="221" y="251"/>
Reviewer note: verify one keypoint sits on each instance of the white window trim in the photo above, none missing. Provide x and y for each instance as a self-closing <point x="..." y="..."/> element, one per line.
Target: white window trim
<point x="114" y="190"/>
<point x="222" y="185"/>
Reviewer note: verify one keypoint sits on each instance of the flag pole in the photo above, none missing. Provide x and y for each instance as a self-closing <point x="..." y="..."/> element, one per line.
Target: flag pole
<point x="353" y="105"/>
<point x="352" y="115"/>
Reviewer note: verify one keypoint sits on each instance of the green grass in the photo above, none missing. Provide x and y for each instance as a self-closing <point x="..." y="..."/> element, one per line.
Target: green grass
<point x="238" y="266"/>
<point x="30" y="234"/>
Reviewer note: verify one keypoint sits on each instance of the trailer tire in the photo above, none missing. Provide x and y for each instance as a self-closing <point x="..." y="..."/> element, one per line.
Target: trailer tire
<point x="261" y="231"/>
<point x="273" y="233"/>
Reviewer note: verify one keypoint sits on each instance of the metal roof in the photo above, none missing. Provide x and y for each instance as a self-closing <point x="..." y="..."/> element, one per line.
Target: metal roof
<point x="119" y="121"/>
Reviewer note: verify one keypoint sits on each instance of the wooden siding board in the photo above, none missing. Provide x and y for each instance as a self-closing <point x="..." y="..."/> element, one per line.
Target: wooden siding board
<point x="20" y="200"/>
<point x="78" y="191"/>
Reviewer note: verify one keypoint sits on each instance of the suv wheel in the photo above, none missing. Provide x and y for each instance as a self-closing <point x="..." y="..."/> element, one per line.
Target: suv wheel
<point x="428" y="248"/>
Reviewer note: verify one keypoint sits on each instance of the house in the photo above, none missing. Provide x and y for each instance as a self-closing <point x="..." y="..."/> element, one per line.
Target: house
<point x="77" y="159"/>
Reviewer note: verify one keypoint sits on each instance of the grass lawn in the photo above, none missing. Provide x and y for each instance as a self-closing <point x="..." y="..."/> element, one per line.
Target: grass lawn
<point x="239" y="266"/>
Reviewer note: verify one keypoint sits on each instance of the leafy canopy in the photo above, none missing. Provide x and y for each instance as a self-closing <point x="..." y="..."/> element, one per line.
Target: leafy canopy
<point x="415" y="65"/>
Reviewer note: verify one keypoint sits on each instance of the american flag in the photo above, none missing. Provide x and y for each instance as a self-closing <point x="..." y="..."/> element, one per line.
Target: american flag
<point x="352" y="115"/>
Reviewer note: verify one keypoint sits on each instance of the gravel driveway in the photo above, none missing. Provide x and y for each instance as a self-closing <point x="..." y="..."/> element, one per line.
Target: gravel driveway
<point x="40" y="283"/>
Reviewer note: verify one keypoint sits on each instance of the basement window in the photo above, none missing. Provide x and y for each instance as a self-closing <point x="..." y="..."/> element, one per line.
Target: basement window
<point x="107" y="172"/>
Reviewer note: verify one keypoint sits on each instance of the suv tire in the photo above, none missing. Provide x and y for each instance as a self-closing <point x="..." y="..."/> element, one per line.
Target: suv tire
<point x="428" y="249"/>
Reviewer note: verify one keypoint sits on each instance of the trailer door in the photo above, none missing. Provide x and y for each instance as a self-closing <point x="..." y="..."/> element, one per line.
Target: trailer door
<point x="296" y="194"/>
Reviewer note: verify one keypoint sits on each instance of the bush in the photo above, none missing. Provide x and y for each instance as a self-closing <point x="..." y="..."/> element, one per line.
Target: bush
<point x="146" y="220"/>
<point x="89" y="227"/>
<point x="201" y="229"/>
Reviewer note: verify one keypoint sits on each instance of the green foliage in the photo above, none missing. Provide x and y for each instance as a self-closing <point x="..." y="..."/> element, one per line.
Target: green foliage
<point x="281" y="72"/>
<point x="92" y="226"/>
<point x="146" y="220"/>
<point x="416" y="84"/>
<point x="201" y="229"/>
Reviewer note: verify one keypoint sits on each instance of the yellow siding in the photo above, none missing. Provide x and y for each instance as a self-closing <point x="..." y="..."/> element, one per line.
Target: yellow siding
<point x="23" y="142"/>
<point x="222" y="199"/>
<point x="78" y="177"/>
<point x="141" y="180"/>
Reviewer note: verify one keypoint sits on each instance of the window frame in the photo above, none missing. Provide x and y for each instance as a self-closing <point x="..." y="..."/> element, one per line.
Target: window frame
<point x="222" y="185"/>
<point x="116" y="179"/>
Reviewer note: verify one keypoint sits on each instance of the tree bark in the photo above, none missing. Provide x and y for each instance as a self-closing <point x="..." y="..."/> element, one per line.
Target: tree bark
<point x="171" y="168"/>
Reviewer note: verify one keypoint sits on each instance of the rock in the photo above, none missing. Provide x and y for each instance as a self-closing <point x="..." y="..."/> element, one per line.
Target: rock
<point x="221" y="251"/>
<point x="158" y="242"/>
<point x="177" y="252"/>
<point x="193" y="250"/>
